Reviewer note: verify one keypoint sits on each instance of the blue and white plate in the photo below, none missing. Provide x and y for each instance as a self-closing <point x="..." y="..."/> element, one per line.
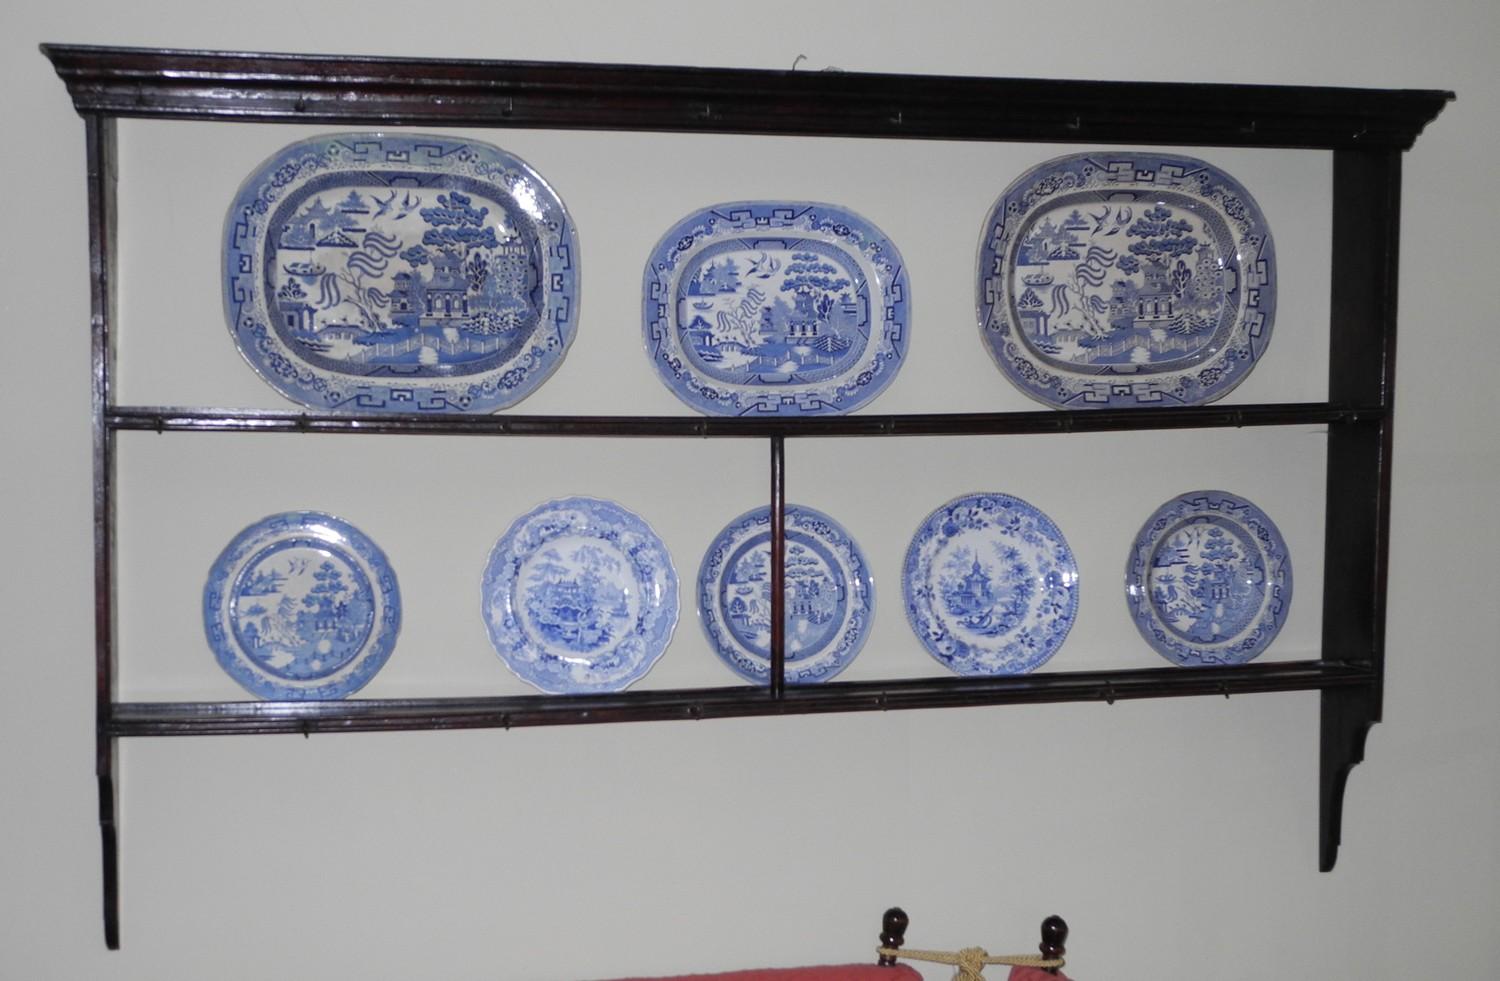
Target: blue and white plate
<point x="1209" y="580"/>
<point x="990" y="585"/>
<point x="301" y="605"/>
<point x="580" y="596"/>
<point x="775" y="308"/>
<point x="1113" y="279"/>
<point x="829" y="596"/>
<point x="370" y="272"/>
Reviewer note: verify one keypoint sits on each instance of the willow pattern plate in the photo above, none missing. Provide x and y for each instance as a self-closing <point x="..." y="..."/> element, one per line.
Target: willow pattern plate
<point x="1117" y="279"/>
<point x="829" y="596"/>
<point x="775" y="308"/>
<point x="369" y="272"/>
<point x="580" y="596"/>
<point x="990" y="584"/>
<point x="301" y="605"/>
<point x="1209" y="579"/>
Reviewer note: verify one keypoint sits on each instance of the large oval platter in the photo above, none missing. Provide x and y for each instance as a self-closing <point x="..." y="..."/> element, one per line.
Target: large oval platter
<point x="1120" y="279"/>
<point x="1209" y="580"/>
<point x="991" y="586"/>
<point x="370" y="272"/>
<point x="580" y="596"/>
<point x="775" y="308"/>
<point x="301" y="605"/>
<point x="829" y="596"/>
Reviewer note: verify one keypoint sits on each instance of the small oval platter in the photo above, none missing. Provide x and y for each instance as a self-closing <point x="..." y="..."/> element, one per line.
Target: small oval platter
<point x="829" y="596"/>
<point x="580" y="596"/>
<point x="301" y="605"/>
<point x="1209" y="580"/>
<point x="775" y="308"/>
<point x="370" y="272"/>
<point x="1115" y="279"/>
<point x="990" y="585"/>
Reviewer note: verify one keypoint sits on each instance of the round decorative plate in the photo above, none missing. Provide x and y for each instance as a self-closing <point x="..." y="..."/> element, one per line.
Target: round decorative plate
<point x="829" y="596"/>
<point x="1209" y="579"/>
<point x="580" y="596"/>
<point x="369" y="272"/>
<point x="990" y="585"/>
<point x="1115" y="279"/>
<point x="775" y="308"/>
<point x="301" y="605"/>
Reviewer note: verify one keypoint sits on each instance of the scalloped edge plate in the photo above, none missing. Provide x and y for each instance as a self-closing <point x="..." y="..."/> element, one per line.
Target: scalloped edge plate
<point x="624" y="659"/>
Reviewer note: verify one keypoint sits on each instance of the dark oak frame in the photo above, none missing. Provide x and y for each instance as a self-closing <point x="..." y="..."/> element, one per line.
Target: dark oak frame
<point x="1366" y="129"/>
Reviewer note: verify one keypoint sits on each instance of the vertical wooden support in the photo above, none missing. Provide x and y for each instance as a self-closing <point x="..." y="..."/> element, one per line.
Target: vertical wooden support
<point x="101" y="204"/>
<point x="778" y="566"/>
<point x="1362" y="349"/>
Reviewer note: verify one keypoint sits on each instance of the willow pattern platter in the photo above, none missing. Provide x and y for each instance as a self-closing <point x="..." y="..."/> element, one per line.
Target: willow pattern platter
<point x="1118" y="279"/>
<point x="990" y="585"/>
<point x="1209" y="579"/>
<point x="369" y="272"/>
<point x="301" y="605"/>
<point x="580" y="596"/>
<point x="775" y="308"/>
<point x="828" y="605"/>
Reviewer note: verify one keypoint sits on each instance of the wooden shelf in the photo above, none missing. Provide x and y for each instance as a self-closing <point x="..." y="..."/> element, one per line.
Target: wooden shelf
<point x="655" y="705"/>
<point x="1366" y="130"/>
<point x="169" y="419"/>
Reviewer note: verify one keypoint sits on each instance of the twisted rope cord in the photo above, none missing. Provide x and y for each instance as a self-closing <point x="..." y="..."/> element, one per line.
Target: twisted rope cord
<point x="971" y="960"/>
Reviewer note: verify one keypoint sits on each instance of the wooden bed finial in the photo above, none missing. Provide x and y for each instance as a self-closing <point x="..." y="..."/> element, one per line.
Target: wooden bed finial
<point x="1054" y="936"/>
<point x="893" y="933"/>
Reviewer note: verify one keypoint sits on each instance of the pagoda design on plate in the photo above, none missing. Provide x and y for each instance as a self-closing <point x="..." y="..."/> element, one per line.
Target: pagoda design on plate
<point x="784" y="308"/>
<point x="428" y="281"/>
<point x="774" y="315"/>
<point x="991" y="586"/>
<point x="813" y="600"/>
<point x="1209" y="579"/>
<point x="579" y="595"/>
<point x="1127" y="279"/>
<point x="301" y="605"/>
<point x="301" y="611"/>
<point x="828" y="599"/>
<point x="987" y="598"/>
<point x="377" y="272"/>
<point x="1117" y="287"/>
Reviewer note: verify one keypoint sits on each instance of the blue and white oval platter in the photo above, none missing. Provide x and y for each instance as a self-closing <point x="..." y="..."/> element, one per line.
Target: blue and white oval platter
<point x="579" y="595"/>
<point x="1209" y="580"/>
<point x="1114" y="279"/>
<point x="775" y="308"/>
<point x="301" y="605"/>
<point x="370" y="272"/>
<point x="829" y="596"/>
<point x="990" y="584"/>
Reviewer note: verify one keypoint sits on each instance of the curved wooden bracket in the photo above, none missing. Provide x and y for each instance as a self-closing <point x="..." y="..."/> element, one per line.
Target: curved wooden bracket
<point x="1348" y="715"/>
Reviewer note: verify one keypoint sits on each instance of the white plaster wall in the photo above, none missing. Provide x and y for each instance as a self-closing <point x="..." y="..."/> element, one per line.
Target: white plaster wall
<point x="1178" y="837"/>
